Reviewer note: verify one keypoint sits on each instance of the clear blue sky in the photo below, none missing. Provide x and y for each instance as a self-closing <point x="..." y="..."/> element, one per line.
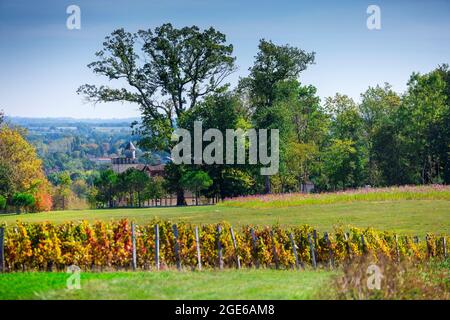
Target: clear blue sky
<point x="42" y="63"/>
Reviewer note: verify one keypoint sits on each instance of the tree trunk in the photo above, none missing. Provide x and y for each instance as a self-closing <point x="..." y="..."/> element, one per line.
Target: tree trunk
<point x="266" y="184"/>
<point x="110" y="196"/>
<point x="180" y="197"/>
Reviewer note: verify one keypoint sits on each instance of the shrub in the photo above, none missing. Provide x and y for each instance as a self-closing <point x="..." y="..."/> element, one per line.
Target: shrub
<point x="404" y="281"/>
<point x="2" y="202"/>
<point x="23" y="200"/>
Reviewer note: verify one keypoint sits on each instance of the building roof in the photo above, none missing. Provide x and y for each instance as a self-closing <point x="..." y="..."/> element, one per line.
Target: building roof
<point x="130" y="146"/>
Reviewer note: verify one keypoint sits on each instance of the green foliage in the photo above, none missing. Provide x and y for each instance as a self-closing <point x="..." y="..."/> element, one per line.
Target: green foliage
<point x="23" y="200"/>
<point x="191" y="63"/>
<point x="219" y="111"/>
<point x="105" y="184"/>
<point x="196" y="181"/>
<point x="2" y="202"/>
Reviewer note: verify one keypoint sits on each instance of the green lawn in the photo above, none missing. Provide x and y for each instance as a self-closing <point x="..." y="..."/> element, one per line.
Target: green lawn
<point x="227" y="284"/>
<point x="402" y="216"/>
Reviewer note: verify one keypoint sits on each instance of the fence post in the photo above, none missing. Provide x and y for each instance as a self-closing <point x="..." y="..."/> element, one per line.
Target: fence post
<point x="444" y="246"/>
<point x="396" y="248"/>
<point x="177" y="246"/>
<point x="255" y="248"/>
<point x="197" y="243"/>
<point x="330" y="250"/>
<point x="363" y="244"/>
<point x="315" y="242"/>
<point x="427" y="240"/>
<point x="219" y="247"/>
<point x="133" y="243"/>
<point x="274" y="250"/>
<point x="311" y="249"/>
<point x="294" y="248"/>
<point x="2" y="249"/>
<point x="238" y="260"/>
<point x="347" y="244"/>
<point x="157" y="246"/>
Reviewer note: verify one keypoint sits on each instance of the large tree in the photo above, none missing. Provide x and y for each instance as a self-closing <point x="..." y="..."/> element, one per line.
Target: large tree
<point x="220" y="111"/>
<point x="169" y="73"/>
<point x="273" y="64"/>
<point x="20" y="168"/>
<point x="378" y="108"/>
<point x="424" y="116"/>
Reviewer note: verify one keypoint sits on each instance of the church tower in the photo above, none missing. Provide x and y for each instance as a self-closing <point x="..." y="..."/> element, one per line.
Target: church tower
<point x="130" y="151"/>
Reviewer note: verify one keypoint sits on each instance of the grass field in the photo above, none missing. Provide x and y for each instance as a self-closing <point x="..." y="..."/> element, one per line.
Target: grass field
<point x="411" y="215"/>
<point x="426" y="192"/>
<point x="402" y="216"/>
<point x="228" y="284"/>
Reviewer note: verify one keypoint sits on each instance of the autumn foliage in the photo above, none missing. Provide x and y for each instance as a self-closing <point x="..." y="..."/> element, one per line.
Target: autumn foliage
<point x="21" y="169"/>
<point x="104" y="246"/>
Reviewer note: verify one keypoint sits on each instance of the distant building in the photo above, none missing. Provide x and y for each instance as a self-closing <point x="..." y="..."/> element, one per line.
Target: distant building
<point x="129" y="160"/>
<point x="122" y="164"/>
<point x="101" y="161"/>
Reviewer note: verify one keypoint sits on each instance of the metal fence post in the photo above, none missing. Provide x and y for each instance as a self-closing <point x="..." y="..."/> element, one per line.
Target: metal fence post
<point x="177" y="247"/>
<point x="133" y="243"/>
<point x="238" y="260"/>
<point x="197" y="243"/>
<point x="157" y="247"/>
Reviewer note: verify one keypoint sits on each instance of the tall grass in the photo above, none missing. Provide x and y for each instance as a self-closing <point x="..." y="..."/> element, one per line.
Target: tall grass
<point x="429" y="192"/>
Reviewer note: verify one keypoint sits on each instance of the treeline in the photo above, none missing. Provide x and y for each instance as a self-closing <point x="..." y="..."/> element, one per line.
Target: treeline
<point x="135" y="188"/>
<point x="385" y="139"/>
<point x="132" y="188"/>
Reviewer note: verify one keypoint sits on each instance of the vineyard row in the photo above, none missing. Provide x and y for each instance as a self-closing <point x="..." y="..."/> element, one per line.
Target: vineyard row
<point x="162" y="245"/>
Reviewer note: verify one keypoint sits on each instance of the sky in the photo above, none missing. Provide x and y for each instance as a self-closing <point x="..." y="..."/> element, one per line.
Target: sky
<point x="42" y="62"/>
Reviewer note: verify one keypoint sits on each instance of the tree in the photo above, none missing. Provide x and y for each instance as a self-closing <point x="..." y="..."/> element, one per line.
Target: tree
<point x="156" y="188"/>
<point x="273" y="64"/>
<point x="304" y="128"/>
<point x="105" y="185"/>
<point x="63" y="187"/>
<point x="347" y="133"/>
<point x="138" y="181"/>
<point x="23" y="200"/>
<point x="20" y="168"/>
<point x="298" y="159"/>
<point x="174" y="69"/>
<point x="339" y="164"/>
<point x="80" y="188"/>
<point x="424" y="115"/>
<point x="2" y="202"/>
<point x="378" y="109"/>
<point x="220" y="111"/>
<point x="196" y="181"/>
